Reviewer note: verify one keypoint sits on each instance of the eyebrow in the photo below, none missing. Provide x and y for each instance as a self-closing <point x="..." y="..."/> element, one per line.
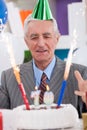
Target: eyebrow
<point x="44" y="34"/>
<point x="47" y="33"/>
<point x="33" y="35"/>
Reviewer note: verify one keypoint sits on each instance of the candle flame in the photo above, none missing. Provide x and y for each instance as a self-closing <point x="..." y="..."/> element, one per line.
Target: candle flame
<point x="16" y="71"/>
<point x="17" y="75"/>
<point x="36" y="88"/>
<point x="47" y="87"/>
<point x="12" y="60"/>
<point x="68" y="64"/>
<point x="69" y="59"/>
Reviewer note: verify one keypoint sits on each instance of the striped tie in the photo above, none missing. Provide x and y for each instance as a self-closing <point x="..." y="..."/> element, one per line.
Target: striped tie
<point x="42" y="87"/>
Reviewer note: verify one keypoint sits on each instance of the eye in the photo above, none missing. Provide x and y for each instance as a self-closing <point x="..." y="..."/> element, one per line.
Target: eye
<point x="34" y="37"/>
<point x="47" y="35"/>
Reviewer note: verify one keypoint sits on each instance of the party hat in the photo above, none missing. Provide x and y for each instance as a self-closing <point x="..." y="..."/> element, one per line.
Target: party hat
<point x="42" y="10"/>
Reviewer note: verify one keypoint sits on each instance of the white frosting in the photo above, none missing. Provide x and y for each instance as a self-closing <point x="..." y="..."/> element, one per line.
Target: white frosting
<point x="66" y="116"/>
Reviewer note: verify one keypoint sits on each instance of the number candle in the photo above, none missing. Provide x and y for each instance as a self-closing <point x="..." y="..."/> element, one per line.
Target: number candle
<point x="35" y="94"/>
<point x="48" y="96"/>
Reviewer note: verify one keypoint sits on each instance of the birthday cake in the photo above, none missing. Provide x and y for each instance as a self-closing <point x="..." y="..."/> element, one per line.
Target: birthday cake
<point x="40" y="117"/>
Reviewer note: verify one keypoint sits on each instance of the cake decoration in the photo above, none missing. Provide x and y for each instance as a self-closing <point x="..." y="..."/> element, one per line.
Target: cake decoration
<point x="35" y="95"/>
<point x="48" y="97"/>
<point x="16" y="71"/>
<point x="66" y="73"/>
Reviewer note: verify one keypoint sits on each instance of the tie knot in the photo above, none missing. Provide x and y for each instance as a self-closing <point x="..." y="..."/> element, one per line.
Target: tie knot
<point x="44" y="77"/>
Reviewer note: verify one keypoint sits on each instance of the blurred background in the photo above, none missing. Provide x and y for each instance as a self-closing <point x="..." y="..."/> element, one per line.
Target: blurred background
<point x="71" y="16"/>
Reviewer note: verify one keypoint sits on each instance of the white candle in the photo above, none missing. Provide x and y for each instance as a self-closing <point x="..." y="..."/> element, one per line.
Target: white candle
<point x="48" y="97"/>
<point x="35" y="95"/>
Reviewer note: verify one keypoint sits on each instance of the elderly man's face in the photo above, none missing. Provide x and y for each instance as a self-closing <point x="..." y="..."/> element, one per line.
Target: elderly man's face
<point x="41" y="40"/>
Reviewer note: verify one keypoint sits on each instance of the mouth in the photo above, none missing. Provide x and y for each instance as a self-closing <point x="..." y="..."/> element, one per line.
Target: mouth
<point x="41" y="51"/>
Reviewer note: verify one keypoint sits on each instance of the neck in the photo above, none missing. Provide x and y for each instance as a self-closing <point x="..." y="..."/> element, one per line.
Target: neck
<point x="42" y="65"/>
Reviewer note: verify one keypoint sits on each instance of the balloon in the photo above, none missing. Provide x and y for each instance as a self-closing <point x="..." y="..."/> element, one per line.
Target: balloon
<point x="3" y="12"/>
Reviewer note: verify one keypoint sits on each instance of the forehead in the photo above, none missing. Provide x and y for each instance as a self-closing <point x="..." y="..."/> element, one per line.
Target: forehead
<point x="40" y="25"/>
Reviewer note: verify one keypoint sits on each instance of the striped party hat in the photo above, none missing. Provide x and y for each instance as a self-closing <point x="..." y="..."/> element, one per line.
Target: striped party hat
<point x="42" y="10"/>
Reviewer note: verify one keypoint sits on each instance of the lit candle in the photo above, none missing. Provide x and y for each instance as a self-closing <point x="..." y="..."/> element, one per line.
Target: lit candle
<point x="66" y="73"/>
<point x="24" y="96"/>
<point x="48" y="96"/>
<point x="21" y="87"/>
<point x="35" y="95"/>
<point x="16" y="71"/>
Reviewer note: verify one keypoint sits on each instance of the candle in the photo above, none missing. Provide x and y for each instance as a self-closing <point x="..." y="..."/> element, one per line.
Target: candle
<point x="35" y="95"/>
<point x="48" y="96"/>
<point x="66" y="73"/>
<point x="62" y="92"/>
<point x="1" y="121"/>
<point x="68" y="63"/>
<point x="24" y="96"/>
<point x="20" y="84"/>
<point x="16" y="71"/>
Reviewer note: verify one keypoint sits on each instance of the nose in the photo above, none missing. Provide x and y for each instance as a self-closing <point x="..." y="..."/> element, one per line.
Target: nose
<point x="41" y="41"/>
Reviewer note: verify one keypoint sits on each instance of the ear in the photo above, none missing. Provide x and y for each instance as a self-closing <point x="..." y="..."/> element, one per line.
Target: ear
<point x="26" y="41"/>
<point x="58" y="36"/>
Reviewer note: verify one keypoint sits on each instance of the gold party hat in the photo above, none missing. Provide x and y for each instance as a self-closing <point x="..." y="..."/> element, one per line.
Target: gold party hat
<point x="42" y="10"/>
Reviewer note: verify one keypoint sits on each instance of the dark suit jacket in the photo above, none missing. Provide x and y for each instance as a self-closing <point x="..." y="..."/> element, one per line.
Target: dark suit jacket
<point x="10" y="95"/>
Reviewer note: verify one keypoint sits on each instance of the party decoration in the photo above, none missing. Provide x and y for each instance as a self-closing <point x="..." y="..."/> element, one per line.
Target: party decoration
<point x="3" y="12"/>
<point x="42" y="10"/>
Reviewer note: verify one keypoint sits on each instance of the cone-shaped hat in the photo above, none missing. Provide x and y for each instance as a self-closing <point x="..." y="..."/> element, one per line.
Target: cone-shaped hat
<point x="42" y="10"/>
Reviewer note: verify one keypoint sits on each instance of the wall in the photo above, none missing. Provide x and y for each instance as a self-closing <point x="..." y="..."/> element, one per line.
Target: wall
<point x="62" y="14"/>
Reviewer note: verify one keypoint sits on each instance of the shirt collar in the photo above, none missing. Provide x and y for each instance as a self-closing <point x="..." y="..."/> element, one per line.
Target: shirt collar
<point x="47" y="71"/>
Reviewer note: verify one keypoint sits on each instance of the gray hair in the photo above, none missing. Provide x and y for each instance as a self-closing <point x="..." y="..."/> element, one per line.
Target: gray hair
<point x="30" y="18"/>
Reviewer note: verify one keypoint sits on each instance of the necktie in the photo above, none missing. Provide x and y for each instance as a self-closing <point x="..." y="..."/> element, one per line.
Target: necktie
<point x="42" y="87"/>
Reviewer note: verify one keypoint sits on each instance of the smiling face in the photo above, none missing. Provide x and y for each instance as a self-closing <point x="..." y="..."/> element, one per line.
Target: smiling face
<point x="41" y="40"/>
